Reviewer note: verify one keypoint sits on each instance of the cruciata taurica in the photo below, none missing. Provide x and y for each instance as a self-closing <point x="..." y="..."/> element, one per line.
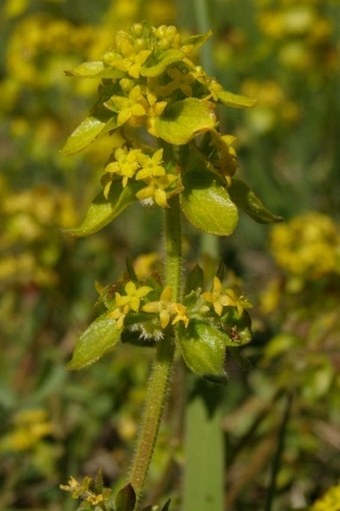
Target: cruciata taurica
<point x="159" y="108"/>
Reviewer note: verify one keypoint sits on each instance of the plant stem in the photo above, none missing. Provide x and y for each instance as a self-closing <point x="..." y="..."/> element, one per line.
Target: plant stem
<point x="173" y="247"/>
<point x="158" y="382"/>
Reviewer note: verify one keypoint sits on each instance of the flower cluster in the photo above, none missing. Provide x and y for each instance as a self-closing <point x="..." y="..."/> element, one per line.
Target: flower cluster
<point x="219" y="298"/>
<point x="308" y="246"/>
<point x="148" y="170"/>
<point x="145" y="311"/>
<point x="30" y="427"/>
<point x="150" y="86"/>
<point x="29" y="247"/>
<point x="132" y="298"/>
<point x="89" y="491"/>
<point x="302" y="32"/>
<point x="159" y="108"/>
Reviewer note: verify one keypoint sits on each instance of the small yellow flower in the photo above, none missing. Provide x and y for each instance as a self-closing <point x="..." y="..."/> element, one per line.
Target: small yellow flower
<point x="216" y="298"/>
<point x="220" y="298"/>
<point x="155" y="190"/>
<point x="72" y="485"/>
<point x="131" y="62"/>
<point x="161" y="307"/>
<point x="133" y="296"/>
<point x="167" y="309"/>
<point x="151" y="167"/>
<point x="130" y="301"/>
<point x="119" y="315"/>
<point x="94" y="499"/>
<point x="126" y="165"/>
<point x="180" y="312"/>
<point x="129" y="108"/>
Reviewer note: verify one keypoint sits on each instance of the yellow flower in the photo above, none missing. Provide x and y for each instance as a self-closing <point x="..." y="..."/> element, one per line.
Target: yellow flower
<point x="119" y="315"/>
<point x="126" y="165"/>
<point x="94" y="499"/>
<point x="83" y="490"/>
<point x="131" y="62"/>
<point x="220" y="298"/>
<point x="307" y="246"/>
<point x="180" y="312"/>
<point x="150" y="166"/>
<point x="133" y="296"/>
<point x="167" y="309"/>
<point x="155" y="190"/>
<point x="217" y="298"/>
<point x="129" y="108"/>
<point x="130" y="301"/>
<point x="162" y="307"/>
<point x="72" y="485"/>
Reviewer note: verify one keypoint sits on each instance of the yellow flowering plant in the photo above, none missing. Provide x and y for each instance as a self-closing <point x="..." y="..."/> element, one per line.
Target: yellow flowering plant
<point x="170" y="154"/>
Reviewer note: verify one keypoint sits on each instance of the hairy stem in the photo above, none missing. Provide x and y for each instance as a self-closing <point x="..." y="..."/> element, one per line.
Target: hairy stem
<point x="159" y="379"/>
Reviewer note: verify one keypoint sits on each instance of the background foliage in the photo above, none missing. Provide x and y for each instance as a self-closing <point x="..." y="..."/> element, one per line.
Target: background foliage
<point x="53" y="423"/>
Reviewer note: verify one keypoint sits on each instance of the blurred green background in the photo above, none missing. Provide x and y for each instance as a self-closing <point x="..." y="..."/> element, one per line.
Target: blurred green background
<point x="284" y="53"/>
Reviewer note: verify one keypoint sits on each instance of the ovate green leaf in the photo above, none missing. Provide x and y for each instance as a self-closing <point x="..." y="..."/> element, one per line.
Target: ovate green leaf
<point x="203" y="350"/>
<point x="100" y="337"/>
<point x="86" y="133"/>
<point x="246" y="199"/>
<point x="155" y="66"/>
<point x="95" y="69"/>
<point x="197" y="40"/>
<point x="102" y="211"/>
<point x="207" y="205"/>
<point x="183" y="120"/>
<point x="125" y="499"/>
<point x="235" y="100"/>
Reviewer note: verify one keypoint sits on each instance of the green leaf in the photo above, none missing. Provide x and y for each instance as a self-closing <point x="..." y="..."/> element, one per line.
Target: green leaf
<point x="154" y="66"/>
<point x="125" y="499"/>
<point x="246" y="199"/>
<point x="203" y="350"/>
<point x="166" y="506"/>
<point x="87" y="132"/>
<point x="95" y="70"/>
<point x="197" y="40"/>
<point x="100" y="337"/>
<point x="182" y="120"/>
<point x="235" y="100"/>
<point x="102" y="211"/>
<point x="207" y="205"/>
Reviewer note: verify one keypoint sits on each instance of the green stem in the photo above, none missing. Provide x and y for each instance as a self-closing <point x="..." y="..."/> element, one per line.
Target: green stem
<point x="159" y="379"/>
